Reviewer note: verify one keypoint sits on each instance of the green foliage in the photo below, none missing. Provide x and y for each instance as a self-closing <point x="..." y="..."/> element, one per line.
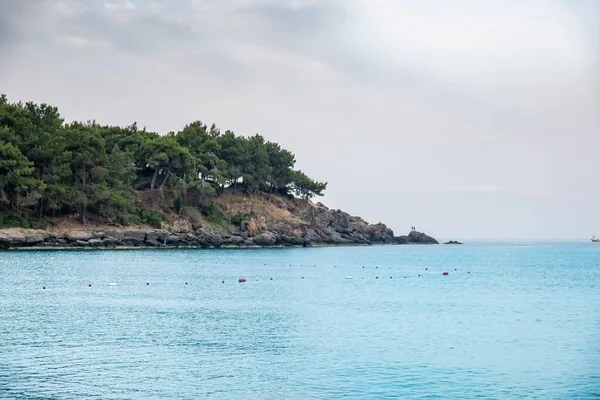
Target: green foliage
<point x="13" y="221"/>
<point x="239" y="218"/>
<point x="306" y="187"/>
<point x="49" y="168"/>
<point x="151" y="217"/>
<point x="16" y="221"/>
<point x="214" y="213"/>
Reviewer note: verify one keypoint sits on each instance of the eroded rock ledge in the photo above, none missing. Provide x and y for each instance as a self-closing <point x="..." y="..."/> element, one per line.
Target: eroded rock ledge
<point x="296" y="224"/>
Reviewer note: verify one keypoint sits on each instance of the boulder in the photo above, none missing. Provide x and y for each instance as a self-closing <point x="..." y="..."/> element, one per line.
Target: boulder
<point x="209" y="237"/>
<point x="265" y="239"/>
<point x="292" y="240"/>
<point x="82" y="236"/>
<point x="421" y="238"/>
<point x="110" y="241"/>
<point x="118" y="235"/>
<point x="95" y="242"/>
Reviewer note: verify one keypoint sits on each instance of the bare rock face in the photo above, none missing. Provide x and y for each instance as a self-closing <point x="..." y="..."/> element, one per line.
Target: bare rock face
<point x="265" y="239"/>
<point x="83" y="236"/>
<point x="415" y="238"/>
<point x="282" y="222"/>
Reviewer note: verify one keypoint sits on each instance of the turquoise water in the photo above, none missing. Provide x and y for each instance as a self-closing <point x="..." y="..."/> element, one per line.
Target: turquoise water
<point x="509" y="321"/>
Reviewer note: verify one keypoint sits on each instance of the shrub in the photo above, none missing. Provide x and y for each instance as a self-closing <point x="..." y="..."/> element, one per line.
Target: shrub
<point x="151" y="217"/>
<point x="239" y="218"/>
<point x="214" y="214"/>
<point x="13" y="221"/>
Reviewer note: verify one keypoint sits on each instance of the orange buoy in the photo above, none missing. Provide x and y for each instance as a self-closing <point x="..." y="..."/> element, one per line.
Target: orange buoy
<point x="445" y="273"/>
<point x="242" y="280"/>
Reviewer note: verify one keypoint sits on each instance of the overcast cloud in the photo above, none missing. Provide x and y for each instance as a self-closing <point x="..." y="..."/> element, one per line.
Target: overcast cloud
<point x="466" y="118"/>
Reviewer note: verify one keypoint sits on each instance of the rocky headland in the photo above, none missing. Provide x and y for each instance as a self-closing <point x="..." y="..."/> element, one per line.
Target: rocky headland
<point x="273" y="221"/>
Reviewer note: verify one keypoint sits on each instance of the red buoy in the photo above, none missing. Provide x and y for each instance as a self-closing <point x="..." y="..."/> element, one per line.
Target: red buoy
<point x="242" y="280"/>
<point x="445" y="273"/>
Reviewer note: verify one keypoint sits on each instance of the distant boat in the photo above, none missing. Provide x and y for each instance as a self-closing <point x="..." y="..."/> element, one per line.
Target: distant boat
<point x="595" y="240"/>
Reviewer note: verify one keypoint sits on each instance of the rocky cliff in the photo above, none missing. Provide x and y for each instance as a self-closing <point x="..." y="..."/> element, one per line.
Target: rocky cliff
<point x="269" y="222"/>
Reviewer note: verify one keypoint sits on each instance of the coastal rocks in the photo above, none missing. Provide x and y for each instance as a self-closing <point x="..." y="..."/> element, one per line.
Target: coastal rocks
<point x="14" y="237"/>
<point x="75" y="236"/>
<point x="276" y="222"/>
<point x="209" y="237"/>
<point x="453" y="242"/>
<point x="415" y="238"/>
<point x="265" y="239"/>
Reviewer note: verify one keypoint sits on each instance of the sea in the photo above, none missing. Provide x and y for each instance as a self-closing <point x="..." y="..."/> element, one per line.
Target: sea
<point x="516" y="320"/>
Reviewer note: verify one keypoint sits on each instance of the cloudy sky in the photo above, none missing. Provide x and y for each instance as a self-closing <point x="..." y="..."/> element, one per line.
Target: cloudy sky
<point x="466" y="118"/>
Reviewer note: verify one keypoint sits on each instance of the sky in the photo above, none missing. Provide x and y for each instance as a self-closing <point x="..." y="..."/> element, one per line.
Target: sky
<point x="466" y="119"/>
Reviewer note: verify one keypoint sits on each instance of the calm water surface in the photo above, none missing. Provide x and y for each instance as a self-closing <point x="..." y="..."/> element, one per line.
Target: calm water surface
<point x="509" y="321"/>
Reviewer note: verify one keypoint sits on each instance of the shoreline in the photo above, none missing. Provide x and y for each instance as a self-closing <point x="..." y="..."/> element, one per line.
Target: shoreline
<point x="154" y="248"/>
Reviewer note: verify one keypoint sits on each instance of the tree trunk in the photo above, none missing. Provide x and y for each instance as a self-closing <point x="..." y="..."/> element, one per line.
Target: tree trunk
<point x="165" y="180"/>
<point x="153" y="183"/>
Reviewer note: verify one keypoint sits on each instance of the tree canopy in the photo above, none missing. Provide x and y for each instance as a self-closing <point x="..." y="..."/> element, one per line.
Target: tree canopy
<point x="52" y="168"/>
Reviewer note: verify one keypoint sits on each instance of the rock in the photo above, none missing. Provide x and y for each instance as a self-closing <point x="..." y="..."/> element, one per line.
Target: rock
<point x="265" y="239"/>
<point x="292" y="240"/>
<point x="95" y="242"/>
<point x="82" y="236"/>
<point x="35" y="237"/>
<point x="134" y="238"/>
<point x="118" y="235"/>
<point x="208" y="237"/>
<point x="157" y="238"/>
<point x="98" y="235"/>
<point x="110" y="241"/>
<point x="453" y="242"/>
<point x="153" y="243"/>
<point x="421" y="238"/>
<point x="312" y="236"/>
<point x="233" y="241"/>
<point x="22" y="238"/>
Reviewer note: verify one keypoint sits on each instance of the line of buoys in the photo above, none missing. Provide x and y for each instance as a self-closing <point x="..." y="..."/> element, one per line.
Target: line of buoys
<point x="242" y="280"/>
